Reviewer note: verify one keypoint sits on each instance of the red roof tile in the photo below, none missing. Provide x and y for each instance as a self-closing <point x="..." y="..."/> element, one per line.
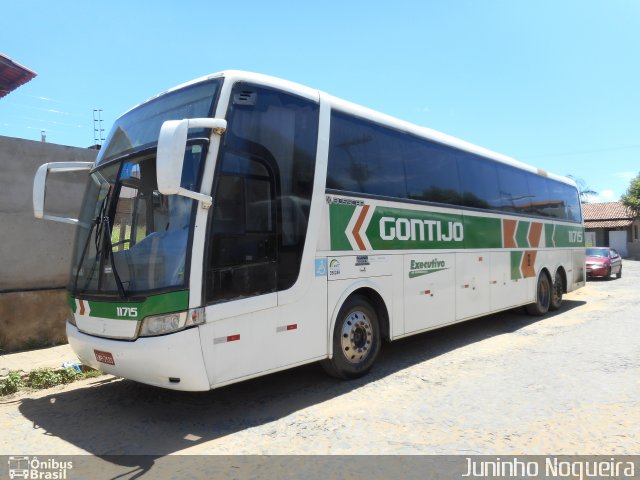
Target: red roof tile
<point x="607" y="223"/>
<point x="12" y="75"/>
<point x="606" y="211"/>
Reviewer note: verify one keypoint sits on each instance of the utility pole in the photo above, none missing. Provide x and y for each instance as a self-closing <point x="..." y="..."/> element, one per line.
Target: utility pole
<point x="98" y="131"/>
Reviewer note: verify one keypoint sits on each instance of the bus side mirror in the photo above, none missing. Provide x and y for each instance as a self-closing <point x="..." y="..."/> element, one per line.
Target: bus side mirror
<point x="40" y="187"/>
<point x="172" y="143"/>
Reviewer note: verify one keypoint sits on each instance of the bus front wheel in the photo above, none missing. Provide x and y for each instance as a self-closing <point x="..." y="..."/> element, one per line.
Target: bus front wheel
<point x="543" y="296"/>
<point x="356" y="340"/>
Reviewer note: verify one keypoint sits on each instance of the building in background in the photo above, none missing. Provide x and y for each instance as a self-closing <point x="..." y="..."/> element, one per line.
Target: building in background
<point x="611" y="224"/>
<point x="12" y="75"/>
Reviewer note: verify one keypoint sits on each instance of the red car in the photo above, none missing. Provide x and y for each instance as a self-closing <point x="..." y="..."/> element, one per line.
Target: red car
<point x="603" y="262"/>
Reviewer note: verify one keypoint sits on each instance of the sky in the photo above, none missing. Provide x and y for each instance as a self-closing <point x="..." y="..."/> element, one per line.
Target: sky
<point x="555" y="84"/>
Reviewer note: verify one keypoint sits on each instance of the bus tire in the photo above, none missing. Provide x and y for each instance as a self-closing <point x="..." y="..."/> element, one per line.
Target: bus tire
<point x="543" y="296"/>
<point x="356" y="340"/>
<point x="556" y="292"/>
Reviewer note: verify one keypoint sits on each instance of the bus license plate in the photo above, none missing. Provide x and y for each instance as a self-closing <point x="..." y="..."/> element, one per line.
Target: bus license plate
<point x="104" y="357"/>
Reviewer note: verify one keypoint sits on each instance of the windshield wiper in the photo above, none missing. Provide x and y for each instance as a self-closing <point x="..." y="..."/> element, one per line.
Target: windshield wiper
<point x="114" y="270"/>
<point x="97" y="222"/>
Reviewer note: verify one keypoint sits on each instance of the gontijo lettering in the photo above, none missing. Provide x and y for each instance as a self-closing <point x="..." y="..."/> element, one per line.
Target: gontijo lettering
<point x="416" y="229"/>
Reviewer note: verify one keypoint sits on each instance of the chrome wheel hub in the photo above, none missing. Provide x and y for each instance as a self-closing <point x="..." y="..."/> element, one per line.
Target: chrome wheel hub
<point x="356" y="337"/>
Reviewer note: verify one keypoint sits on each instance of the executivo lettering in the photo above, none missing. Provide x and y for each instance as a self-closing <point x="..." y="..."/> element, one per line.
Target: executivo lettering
<point x="392" y="228"/>
<point x="418" y="269"/>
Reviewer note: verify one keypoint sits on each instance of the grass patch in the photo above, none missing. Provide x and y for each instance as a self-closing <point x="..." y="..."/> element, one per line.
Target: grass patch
<point x="42" y="378"/>
<point x="92" y="373"/>
<point x="10" y="384"/>
<point x="47" y="377"/>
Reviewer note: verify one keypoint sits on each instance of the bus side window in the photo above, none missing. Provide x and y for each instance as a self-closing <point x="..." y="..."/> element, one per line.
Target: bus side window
<point x="365" y="157"/>
<point x="479" y="180"/>
<point x="541" y="204"/>
<point x="431" y="172"/>
<point x="514" y="189"/>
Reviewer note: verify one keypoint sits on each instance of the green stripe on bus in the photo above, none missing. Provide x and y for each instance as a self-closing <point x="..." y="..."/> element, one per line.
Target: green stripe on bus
<point x="549" y="229"/>
<point x="482" y="232"/>
<point x="569" y="236"/>
<point x="390" y="228"/>
<point x="339" y="216"/>
<point x="522" y="232"/>
<point x="152" y="305"/>
<point x="516" y="261"/>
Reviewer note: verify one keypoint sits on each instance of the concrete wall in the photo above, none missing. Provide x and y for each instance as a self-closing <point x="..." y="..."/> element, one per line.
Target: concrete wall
<point x="618" y="241"/>
<point x="35" y="254"/>
<point x="32" y="319"/>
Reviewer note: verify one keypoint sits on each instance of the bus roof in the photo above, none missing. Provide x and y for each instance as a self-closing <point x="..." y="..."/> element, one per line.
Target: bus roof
<point x="368" y="113"/>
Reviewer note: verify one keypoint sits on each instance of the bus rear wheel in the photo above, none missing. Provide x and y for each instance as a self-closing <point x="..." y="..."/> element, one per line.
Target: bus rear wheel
<point x="543" y="296"/>
<point x="556" y="293"/>
<point x="356" y="340"/>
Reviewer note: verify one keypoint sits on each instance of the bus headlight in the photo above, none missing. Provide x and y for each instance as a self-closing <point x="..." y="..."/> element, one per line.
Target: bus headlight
<point x="171" y="322"/>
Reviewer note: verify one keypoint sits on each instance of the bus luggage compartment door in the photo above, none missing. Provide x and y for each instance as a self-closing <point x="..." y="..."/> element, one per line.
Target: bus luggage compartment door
<point x="473" y="273"/>
<point x="429" y="290"/>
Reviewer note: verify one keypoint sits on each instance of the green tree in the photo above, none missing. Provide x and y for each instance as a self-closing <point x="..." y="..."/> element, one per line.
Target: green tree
<point x="631" y="198"/>
<point x="584" y="191"/>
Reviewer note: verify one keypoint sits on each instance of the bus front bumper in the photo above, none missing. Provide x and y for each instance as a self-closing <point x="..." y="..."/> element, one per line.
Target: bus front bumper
<point x="171" y="361"/>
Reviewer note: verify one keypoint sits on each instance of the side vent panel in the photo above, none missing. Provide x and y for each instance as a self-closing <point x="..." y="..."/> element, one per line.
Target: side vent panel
<point x="245" y="97"/>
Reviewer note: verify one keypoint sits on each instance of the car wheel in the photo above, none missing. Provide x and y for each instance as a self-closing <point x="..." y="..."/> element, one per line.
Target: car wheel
<point x="619" y="274"/>
<point x="556" y="293"/>
<point x="608" y="275"/>
<point x="543" y="297"/>
<point x="356" y="340"/>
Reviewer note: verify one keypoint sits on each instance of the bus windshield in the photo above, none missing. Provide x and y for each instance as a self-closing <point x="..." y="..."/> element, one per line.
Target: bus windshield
<point x="132" y="239"/>
<point x="138" y="129"/>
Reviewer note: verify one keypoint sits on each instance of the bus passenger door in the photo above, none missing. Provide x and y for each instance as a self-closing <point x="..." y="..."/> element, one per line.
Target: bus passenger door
<point x="263" y="312"/>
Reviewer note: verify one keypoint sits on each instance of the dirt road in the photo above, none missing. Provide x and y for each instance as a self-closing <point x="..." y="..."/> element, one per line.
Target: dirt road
<point x="567" y="383"/>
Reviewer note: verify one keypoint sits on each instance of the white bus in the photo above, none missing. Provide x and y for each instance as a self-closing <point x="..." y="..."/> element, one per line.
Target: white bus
<point x="240" y="224"/>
